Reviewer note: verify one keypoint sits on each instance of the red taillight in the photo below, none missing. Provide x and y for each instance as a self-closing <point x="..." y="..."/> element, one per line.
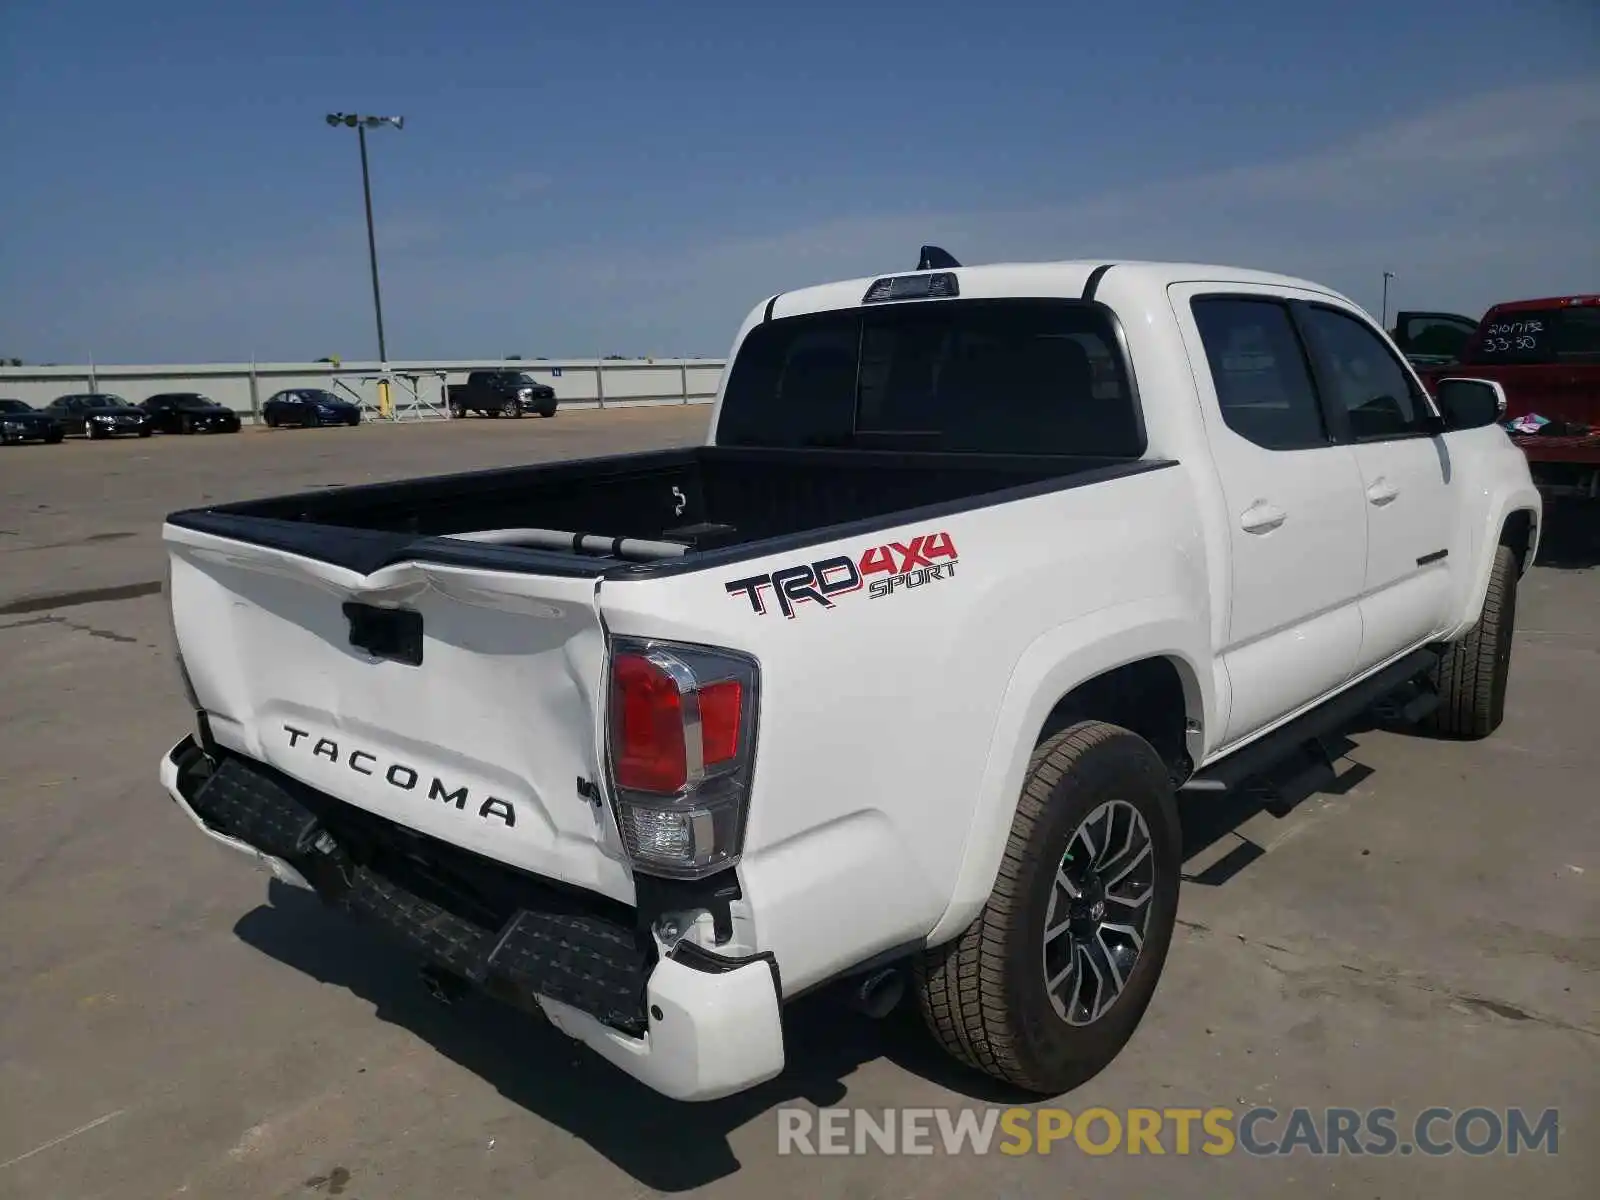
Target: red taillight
<point x="649" y="713"/>
<point x="682" y="724"/>
<point x="651" y="752"/>
<point x="720" y="705"/>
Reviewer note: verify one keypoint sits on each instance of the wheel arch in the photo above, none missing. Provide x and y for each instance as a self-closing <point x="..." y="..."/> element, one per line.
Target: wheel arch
<point x="1155" y="697"/>
<point x="1520" y="531"/>
<point x="1136" y="665"/>
<point x="1514" y="522"/>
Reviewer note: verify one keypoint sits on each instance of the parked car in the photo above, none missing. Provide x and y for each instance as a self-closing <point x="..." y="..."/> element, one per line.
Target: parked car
<point x="890" y="684"/>
<point x="1545" y="354"/>
<point x="189" y="412"/>
<point x="21" y="422"/>
<point x="308" y="407"/>
<point x="501" y="394"/>
<point x="99" y="415"/>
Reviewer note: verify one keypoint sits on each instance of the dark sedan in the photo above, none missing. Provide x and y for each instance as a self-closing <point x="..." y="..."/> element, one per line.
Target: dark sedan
<point x="99" y="415"/>
<point x="21" y="422"/>
<point x="189" y="412"/>
<point x="308" y="407"/>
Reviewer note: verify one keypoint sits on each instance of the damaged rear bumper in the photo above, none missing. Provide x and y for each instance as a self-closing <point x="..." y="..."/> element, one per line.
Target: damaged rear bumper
<point x="690" y="1024"/>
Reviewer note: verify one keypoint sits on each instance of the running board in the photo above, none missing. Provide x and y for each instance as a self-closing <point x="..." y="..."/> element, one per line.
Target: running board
<point x="1308" y="730"/>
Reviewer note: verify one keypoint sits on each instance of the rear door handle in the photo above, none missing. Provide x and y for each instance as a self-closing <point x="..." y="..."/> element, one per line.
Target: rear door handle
<point x="1262" y="517"/>
<point x="1382" y="491"/>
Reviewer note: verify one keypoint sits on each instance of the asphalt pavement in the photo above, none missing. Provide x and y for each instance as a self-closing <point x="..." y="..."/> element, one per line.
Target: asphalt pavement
<point x="1422" y="931"/>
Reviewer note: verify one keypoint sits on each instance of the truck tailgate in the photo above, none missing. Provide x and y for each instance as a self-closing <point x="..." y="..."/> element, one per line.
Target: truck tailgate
<point x="460" y="702"/>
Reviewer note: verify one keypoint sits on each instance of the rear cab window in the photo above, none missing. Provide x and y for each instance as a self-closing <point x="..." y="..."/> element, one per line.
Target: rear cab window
<point x="1022" y="376"/>
<point x="1532" y="336"/>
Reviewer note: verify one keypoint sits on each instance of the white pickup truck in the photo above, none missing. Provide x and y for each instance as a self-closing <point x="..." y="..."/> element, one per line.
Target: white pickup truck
<point x="632" y="743"/>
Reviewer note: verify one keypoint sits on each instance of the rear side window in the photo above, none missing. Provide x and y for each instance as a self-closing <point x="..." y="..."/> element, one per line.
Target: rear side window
<point x="976" y="376"/>
<point x="1259" y="367"/>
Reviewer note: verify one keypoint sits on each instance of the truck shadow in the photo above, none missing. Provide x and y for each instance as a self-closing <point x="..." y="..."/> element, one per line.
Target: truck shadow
<point x="560" y="1081"/>
<point x="662" y="1144"/>
<point x="540" y="1070"/>
<point x="1214" y="848"/>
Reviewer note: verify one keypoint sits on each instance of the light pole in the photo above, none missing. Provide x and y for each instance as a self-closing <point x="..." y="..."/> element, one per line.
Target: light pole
<point x="1387" y="275"/>
<point x="361" y="124"/>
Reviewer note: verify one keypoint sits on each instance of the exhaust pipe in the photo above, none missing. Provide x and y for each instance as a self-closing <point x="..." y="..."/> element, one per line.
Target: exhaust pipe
<point x="879" y="992"/>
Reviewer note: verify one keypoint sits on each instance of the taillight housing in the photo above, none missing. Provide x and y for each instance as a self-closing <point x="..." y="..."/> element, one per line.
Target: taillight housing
<point x="681" y="738"/>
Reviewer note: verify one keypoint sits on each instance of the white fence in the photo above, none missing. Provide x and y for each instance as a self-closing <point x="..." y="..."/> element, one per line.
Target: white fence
<point x="416" y="391"/>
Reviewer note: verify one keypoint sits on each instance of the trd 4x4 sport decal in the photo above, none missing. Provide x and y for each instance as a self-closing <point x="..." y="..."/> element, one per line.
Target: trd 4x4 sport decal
<point x="882" y="571"/>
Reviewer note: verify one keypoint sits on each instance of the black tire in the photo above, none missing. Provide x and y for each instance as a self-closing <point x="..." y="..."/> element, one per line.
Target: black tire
<point x="511" y="408"/>
<point x="54" y="437"/>
<point x="146" y="432"/>
<point x="549" y="410"/>
<point x="458" y="411"/>
<point x="983" y="995"/>
<point x="92" y="431"/>
<point x="1472" y="674"/>
<point x="186" y="424"/>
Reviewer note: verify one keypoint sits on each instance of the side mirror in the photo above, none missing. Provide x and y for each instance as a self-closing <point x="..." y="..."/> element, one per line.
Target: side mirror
<point x="1470" y="403"/>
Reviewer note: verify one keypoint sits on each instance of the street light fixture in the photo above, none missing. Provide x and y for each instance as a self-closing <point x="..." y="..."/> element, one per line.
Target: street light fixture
<point x="1387" y="275"/>
<point x="361" y="124"/>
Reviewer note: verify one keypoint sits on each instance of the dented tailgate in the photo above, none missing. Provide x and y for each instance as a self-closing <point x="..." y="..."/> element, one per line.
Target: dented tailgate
<point x="460" y="702"/>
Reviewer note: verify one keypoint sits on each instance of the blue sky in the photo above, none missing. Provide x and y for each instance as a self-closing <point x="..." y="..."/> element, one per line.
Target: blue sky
<point x="630" y="178"/>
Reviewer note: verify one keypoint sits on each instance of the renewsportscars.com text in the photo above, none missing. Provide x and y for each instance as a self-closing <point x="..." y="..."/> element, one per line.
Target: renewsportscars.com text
<point x="1260" y="1132"/>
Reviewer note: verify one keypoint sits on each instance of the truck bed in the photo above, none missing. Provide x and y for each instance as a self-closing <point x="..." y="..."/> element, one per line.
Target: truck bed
<point x="718" y="504"/>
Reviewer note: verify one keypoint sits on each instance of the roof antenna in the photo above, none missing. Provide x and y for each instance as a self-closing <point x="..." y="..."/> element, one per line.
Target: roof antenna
<point x="935" y="259"/>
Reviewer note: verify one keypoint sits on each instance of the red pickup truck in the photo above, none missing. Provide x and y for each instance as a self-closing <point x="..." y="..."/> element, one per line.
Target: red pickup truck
<point x="1546" y="355"/>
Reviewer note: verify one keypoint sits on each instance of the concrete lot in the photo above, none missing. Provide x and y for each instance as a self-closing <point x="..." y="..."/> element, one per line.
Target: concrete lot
<point x="1424" y="932"/>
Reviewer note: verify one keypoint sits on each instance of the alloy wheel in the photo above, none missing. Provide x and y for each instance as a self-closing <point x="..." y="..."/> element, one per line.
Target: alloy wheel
<point x="1099" y="912"/>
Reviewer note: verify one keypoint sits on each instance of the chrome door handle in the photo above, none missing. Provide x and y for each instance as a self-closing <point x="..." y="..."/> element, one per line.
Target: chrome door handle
<point x="1262" y="517"/>
<point x="1381" y="492"/>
